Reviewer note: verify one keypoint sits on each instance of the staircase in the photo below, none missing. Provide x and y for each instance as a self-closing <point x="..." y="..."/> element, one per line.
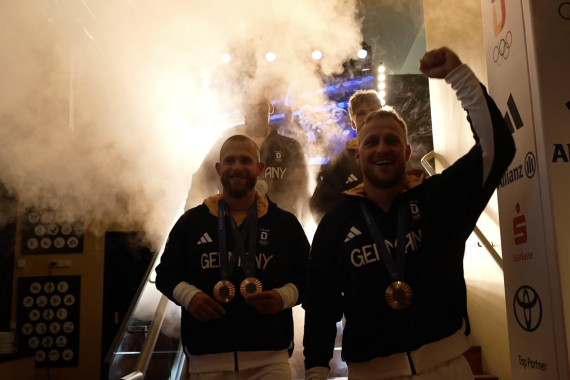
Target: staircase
<point x="473" y="356"/>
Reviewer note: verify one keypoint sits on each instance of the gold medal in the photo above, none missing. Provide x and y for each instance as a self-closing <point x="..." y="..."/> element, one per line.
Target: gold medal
<point x="399" y="295"/>
<point x="224" y="291"/>
<point x="250" y="285"/>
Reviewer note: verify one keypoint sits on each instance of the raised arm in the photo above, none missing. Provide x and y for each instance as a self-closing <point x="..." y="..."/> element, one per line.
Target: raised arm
<point x="486" y="121"/>
<point x="439" y="62"/>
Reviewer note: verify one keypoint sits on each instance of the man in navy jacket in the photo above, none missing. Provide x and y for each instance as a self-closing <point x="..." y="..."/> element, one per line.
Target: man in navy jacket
<point x="390" y="258"/>
<point x="236" y="266"/>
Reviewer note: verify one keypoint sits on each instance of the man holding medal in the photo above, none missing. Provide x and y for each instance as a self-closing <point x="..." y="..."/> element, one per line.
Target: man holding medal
<point x="236" y="266"/>
<point x="390" y="258"/>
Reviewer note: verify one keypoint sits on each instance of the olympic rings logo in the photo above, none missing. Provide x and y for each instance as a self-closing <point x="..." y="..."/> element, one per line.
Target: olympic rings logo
<point x="501" y="51"/>
<point x="564" y="10"/>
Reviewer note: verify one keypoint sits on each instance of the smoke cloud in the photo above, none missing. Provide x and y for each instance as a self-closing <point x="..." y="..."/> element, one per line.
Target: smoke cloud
<point x="108" y="107"/>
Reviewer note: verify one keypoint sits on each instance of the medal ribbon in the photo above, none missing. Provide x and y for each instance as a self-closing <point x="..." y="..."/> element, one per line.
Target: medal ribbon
<point x="248" y="258"/>
<point x="395" y="269"/>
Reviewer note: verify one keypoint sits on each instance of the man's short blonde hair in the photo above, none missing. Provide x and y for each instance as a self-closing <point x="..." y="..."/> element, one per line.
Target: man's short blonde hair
<point x="239" y="138"/>
<point x="386" y="112"/>
<point x="362" y="97"/>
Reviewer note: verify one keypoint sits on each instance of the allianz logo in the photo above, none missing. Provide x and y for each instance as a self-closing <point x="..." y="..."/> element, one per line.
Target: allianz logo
<point x="526" y="169"/>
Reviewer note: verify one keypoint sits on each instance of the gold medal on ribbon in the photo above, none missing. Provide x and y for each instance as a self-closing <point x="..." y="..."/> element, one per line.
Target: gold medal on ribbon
<point x="224" y="291"/>
<point x="250" y="285"/>
<point x="399" y="295"/>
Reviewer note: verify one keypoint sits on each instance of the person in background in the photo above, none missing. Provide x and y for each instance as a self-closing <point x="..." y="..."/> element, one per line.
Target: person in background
<point x="291" y="128"/>
<point x="390" y="258"/>
<point x="236" y="266"/>
<point x="285" y="177"/>
<point x="343" y="131"/>
<point x="342" y="172"/>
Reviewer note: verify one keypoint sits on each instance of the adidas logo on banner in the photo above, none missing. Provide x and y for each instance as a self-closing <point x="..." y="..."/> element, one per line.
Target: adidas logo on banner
<point x="351" y="178"/>
<point x="352" y="233"/>
<point x="204" y="239"/>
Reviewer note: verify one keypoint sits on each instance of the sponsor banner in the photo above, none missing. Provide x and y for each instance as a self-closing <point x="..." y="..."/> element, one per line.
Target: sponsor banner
<point x="549" y="24"/>
<point x="532" y="284"/>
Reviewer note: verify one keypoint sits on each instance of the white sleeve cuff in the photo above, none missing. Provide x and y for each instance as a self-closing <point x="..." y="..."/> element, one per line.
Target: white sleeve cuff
<point x="317" y="373"/>
<point x="183" y="293"/>
<point x="289" y="294"/>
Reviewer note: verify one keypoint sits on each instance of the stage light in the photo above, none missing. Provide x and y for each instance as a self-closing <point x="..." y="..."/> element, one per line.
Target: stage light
<point x="317" y="55"/>
<point x="226" y="58"/>
<point x="362" y="53"/>
<point x="270" y="57"/>
<point x="381" y="82"/>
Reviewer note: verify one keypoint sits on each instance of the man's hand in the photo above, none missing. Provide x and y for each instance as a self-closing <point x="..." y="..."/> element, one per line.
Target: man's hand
<point x="267" y="302"/>
<point x="439" y="62"/>
<point x="204" y="308"/>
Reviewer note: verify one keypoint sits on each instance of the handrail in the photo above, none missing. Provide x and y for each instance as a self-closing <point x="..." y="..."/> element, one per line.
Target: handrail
<point x="150" y="341"/>
<point x="125" y="323"/>
<point x="158" y="319"/>
<point x="494" y="254"/>
<point x="180" y="364"/>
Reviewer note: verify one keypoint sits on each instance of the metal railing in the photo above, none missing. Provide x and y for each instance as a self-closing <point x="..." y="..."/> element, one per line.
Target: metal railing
<point x="150" y="341"/>
<point x="140" y="339"/>
<point x="147" y="349"/>
<point x="482" y="238"/>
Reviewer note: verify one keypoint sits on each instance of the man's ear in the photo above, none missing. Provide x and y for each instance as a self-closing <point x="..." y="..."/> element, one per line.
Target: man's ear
<point x="408" y="152"/>
<point x="271" y="108"/>
<point x="353" y="125"/>
<point x="219" y="169"/>
<point x="260" y="168"/>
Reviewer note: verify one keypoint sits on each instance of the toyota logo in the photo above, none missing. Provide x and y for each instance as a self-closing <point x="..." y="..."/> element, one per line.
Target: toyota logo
<point x="527" y="308"/>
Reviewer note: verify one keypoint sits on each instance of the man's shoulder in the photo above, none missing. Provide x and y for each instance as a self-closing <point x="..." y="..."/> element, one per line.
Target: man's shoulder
<point x="277" y="212"/>
<point x="339" y="224"/>
<point x="342" y="167"/>
<point x="224" y="134"/>
<point x="191" y="220"/>
<point x="190" y="214"/>
<point x="347" y="155"/>
<point x="222" y="137"/>
<point x="238" y="129"/>
<point x="343" y="212"/>
<point x="276" y="138"/>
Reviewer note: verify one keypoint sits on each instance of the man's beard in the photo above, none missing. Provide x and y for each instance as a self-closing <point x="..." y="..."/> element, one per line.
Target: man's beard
<point x="241" y="191"/>
<point x="385" y="183"/>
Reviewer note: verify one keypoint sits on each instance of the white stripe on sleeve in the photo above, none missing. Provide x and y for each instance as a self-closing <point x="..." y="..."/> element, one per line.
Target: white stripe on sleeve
<point x="470" y="94"/>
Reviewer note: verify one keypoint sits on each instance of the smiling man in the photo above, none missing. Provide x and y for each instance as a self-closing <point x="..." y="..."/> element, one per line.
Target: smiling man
<point x="238" y="169"/>
<point x="390" y="258"/>
<point x="383" y="152"/>
<point x="236" y="266"/>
